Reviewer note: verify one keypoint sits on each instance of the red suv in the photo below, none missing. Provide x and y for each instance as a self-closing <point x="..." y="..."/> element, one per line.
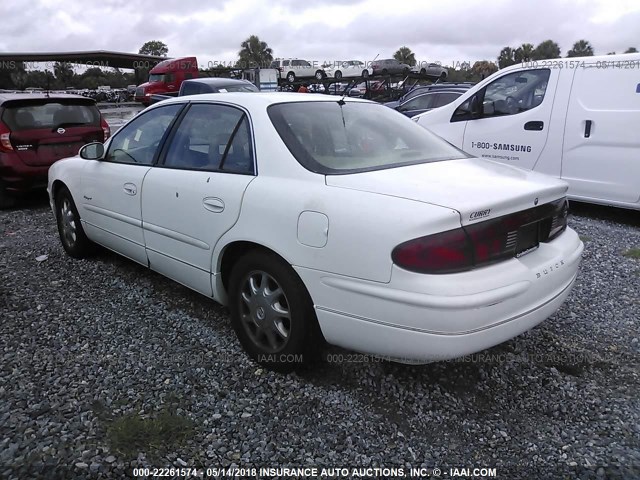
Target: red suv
<point x="38" y="129"/>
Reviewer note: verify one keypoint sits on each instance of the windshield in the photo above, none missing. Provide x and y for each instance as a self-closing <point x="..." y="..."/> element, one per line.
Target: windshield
<point x="30" y="116"/>
<point x="347" y="137"/>
<point x="238" y="88"/>
<point x="157" y="77"/>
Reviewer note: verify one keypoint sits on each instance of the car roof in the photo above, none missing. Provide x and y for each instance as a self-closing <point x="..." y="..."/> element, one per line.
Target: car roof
<point x="260" y="99"/>
<point x="48" y="97"/>
<point x="217" y="81"/>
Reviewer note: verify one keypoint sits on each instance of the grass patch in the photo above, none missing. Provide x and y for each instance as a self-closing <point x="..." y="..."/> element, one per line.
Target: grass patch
<point x="132" y="433"/>
<point x="633" y="253"/>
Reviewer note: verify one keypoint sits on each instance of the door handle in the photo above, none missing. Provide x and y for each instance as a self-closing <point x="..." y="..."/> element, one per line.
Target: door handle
<point x="130" y="189"/>
<point x="535" y="125"/>
<point x="213" y="204"/>
<point x="587" y="128"/>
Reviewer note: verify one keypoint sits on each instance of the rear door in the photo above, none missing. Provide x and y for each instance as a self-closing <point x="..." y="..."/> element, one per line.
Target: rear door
<point x="601" y="157"/>
<point x="110" y="205"/>
<point x="514" y="124"/>
<point x="45" y="130"/>
<point x="194" y="195"/>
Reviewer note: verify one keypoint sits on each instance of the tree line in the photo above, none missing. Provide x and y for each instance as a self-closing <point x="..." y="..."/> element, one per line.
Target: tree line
<point x="254" y="51"/>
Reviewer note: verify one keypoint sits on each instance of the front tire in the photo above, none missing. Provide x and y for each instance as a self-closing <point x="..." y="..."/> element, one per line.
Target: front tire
<point x="365" y="74"/>
<point x="338" y="75"/>
<point x="72" y="235"/>
<point x="6" y="200"/>
<point x="272" y="312"/>
<point x="291" y="77"/>
<point x="319" y="75"/>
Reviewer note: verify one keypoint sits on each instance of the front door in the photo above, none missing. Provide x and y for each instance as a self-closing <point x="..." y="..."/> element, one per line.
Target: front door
<point x="514" y="123"/>
<point x="194" y="195"/>
<point x="110" y="205"/>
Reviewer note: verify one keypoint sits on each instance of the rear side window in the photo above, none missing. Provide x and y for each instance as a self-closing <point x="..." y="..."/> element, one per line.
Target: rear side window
<point x="445" y="99"/>
<point x="190" y="88"/>
<point x="51" y="115"/>
<point x="346" y="137"/>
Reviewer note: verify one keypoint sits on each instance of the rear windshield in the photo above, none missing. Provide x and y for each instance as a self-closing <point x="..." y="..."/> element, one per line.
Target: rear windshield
<point x="29" y="116"/>
<point x="348" y="137"/>
<point x="238" y="88"/>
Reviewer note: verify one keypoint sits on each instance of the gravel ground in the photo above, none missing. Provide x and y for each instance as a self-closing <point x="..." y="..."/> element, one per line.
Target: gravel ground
<point x="93" y="350"/>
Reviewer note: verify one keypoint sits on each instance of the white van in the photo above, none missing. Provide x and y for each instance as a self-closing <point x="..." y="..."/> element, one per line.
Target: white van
<point x="573" y="118"/>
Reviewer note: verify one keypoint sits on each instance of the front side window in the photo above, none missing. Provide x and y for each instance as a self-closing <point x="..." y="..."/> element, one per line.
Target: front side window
<point x="337" y="137"/>
<point x="212" y="138"/>
<point x="157" y="77"/>
<point x="515" y="93"/>
<point x="138" y="141"/>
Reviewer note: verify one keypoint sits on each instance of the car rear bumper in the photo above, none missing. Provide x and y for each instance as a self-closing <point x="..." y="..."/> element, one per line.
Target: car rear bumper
<point x="18" y="177"/>
<point x="422" y="318"/>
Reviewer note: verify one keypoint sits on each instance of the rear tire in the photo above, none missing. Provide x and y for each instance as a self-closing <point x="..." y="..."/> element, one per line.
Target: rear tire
<point x="72" y="235"/>
<point x="291" y="77"/>
<point x="272" y="312"/>
<point x="365" y="74"/>
<point x="338" y="75"/>
<point x="319" y="75"/>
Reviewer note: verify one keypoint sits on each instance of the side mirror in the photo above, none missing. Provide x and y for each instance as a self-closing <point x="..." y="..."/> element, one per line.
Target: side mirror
<point x="488" y="108"/>
<point x="92" y="151"/>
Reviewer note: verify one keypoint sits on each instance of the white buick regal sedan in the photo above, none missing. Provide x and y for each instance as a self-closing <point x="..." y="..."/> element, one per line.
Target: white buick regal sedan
<point x="315" y="218"/>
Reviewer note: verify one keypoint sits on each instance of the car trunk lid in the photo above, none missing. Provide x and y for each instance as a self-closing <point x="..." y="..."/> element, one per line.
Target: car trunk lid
<point x="477" y="189"/>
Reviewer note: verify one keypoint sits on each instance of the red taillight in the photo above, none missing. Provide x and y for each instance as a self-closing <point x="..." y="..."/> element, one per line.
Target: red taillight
<point x="445" y="252"/>
<point x="5" y="138"/>
<point x="105" y="128"/>
<point x="483" y="243"/>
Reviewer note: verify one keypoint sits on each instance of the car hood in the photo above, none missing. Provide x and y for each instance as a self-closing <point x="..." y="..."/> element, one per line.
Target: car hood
<point x="474" y="187"/>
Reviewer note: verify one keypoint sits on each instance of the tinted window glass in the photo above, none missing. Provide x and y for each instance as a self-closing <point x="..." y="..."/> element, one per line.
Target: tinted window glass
<point x="138" y="141"/>
<point x="51" y="115"/>
<point x="212" y="138"/>
<point x="444" y="99"/>
<point x="329" y="138"/>
<point x="421" y="102"/>
<point x="515" y="93"/>
<point x="190" y="88"/>
<point x="239" y="88"/>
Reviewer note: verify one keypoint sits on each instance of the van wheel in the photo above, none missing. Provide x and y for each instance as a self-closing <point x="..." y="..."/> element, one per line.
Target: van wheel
<point x="6" y="200"/>
<point x="272" y="312"/>
<point x="72" y="236"/>
<point x="291" y="77"/>
<point x="338" y="75"/>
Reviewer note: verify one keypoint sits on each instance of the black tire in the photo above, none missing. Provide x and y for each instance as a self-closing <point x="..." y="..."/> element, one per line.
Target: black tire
<point x="443" y="76"/>
<point x="72" y="235"/>
<point x="291" y="77"/>
<point x="423" y="71"/>
<point x="319" y="75"/>
<point x="6" y="199"/>
<point x="385" y="71"/>
<point x="365" y="74"/>
<point x="338" y="75"/>
<point x="259" y="321"/>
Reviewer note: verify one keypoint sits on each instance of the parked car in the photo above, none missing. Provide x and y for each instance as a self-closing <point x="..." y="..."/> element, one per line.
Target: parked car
<point x="389" y="66"/>
<point x="558" y="121"/>
<point x="350" y="68"/>
<point x="317" y="219"/>
<point x="415" y="90"/>
<point x="428" y="101"/>
<point x="434" y="70"/>
<point x="36" y="130"/>
<point x="292" y="68"/>
<point x="197" y="86"/>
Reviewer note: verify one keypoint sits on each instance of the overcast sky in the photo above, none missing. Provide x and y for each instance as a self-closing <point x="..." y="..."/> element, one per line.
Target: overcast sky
<point x="449" y="32"/>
